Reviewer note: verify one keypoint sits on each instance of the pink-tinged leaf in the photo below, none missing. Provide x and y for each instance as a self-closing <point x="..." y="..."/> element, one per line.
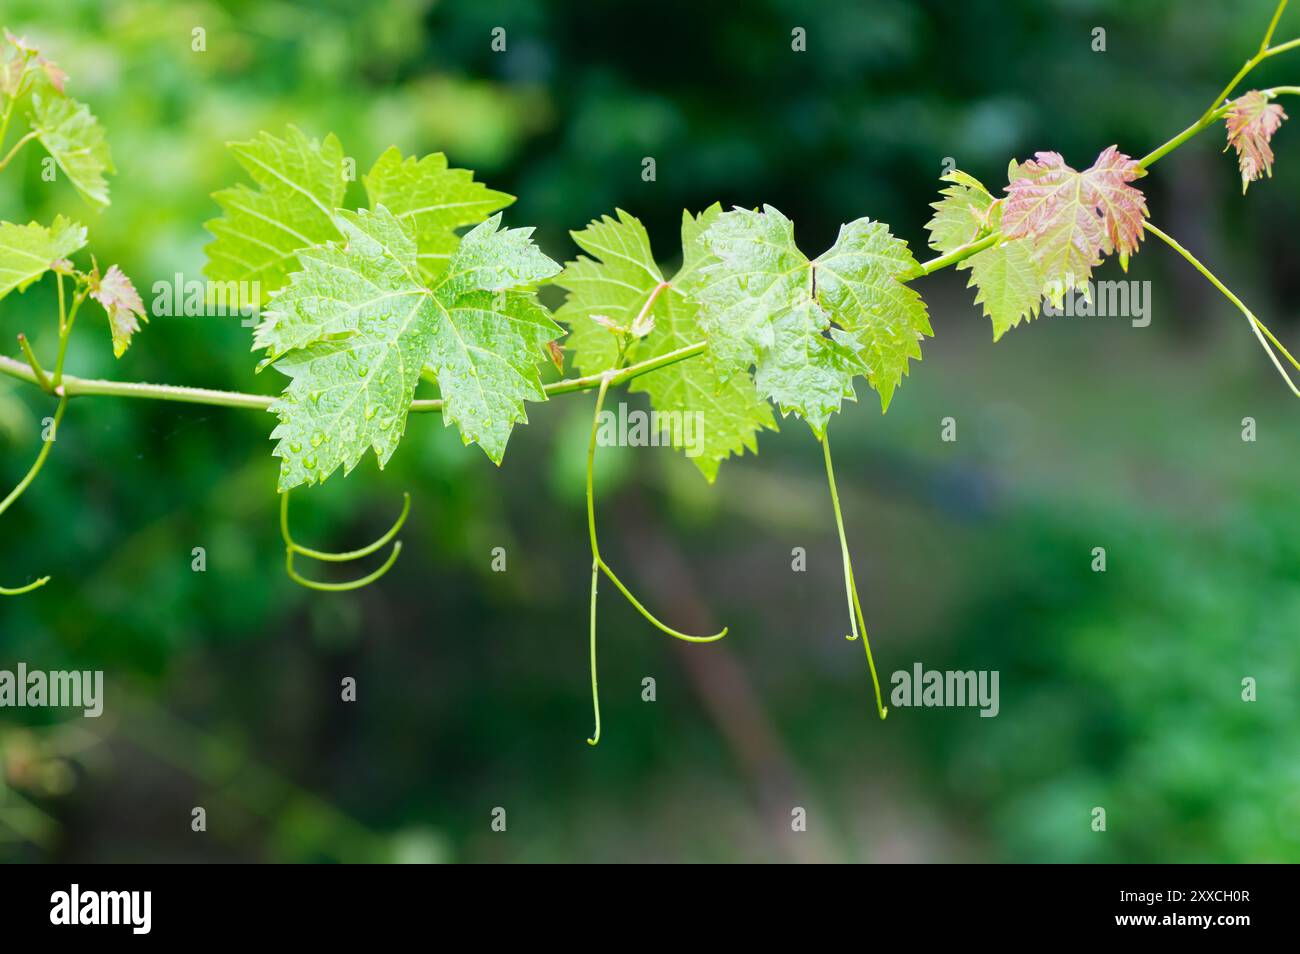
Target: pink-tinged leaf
<point x="1252" y="120"/>
<point x="1072" y="217"/>
<point x="1046" y="204"/>
<point x="19" y="43"/>
<point x="1123" y="208"/>
<point x="54" y="73"/>
<point x="556" y="355"/>
<point x="123" y="306"/>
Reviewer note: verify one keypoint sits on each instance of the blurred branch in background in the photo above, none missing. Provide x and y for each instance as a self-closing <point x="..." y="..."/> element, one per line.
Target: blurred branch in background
<point x="725" y="692"/>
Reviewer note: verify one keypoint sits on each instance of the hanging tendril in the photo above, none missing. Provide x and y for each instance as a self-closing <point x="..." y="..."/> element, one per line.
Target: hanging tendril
<point x="25" y="483"/>
<point x="292" y="548"/>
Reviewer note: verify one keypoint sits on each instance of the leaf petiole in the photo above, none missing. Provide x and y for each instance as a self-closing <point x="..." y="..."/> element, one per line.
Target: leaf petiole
<point x="42" y="379"/>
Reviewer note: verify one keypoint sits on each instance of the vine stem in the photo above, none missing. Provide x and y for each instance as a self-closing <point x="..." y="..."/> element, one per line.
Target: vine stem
<point x="87" y="387"/>
<point x="18" y="145"/>
<point x="1260" y="329"/>
<point x="857" y="624"/>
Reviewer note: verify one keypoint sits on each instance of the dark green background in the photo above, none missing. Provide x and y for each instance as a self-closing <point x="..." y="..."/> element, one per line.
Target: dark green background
<point x="1119" y="690"/>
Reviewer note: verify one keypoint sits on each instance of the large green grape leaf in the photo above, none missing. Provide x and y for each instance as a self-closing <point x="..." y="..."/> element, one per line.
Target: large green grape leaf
<point x="732" y="411"/>
<point x="355" y="328"/>
<point x="858" y="282"/>
<point x="433" y="199"/>
<point x="72" y="135"/>
<point x="28" y="251"/>
<point x="618" y="283"/>
<point x="300" y="185"/>
<point x="809" y="328"/>
<point x="755" y="273"/>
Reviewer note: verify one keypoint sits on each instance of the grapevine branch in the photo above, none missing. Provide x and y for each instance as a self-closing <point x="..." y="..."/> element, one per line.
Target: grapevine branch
<point x="991" y="235"/>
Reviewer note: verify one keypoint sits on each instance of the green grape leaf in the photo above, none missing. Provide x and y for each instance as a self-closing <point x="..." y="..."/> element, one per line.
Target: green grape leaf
<point x="609" y="287"/>
<point x="858" y="283"/>
<point x="622" y="287"/>
<point x="962" y="215"/>
<point x="72" y="135"/>
<point x="755" y="273"/>
<point x="122" y="305"/>
<point x="1252" y="120"/>
<point x="809" y="369"/>
<point x="433" y="199"/>
<point x="355" y="328"/>
<point x="1073" y="218"/>
<point x="1010" y="283"/>
<point x="28" y="251"/>
<point x="732" y="412"/>
<point x="809" y="327"/>
<point x="258" y="239"/>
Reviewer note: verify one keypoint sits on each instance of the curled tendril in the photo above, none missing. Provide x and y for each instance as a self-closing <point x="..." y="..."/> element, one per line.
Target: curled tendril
<point x="24" y="484"/>
<point x="598" y="566"/>
<point x="291" y="548"/>
<point x="857" y="623"/>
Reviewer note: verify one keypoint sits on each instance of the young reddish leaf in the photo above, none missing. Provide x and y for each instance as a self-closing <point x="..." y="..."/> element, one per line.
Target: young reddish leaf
<point x="1123" y="208"/>
<point x="54" y="73"/>
<point x="20" y="43"/>
<point x="556" y="355"/>
<point x="1072" y="217"/>
<point x="123" y="306"/>
<point x="1251" y="121"/>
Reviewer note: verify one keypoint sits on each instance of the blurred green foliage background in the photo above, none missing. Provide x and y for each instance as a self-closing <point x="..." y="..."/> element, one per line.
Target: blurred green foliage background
<point x="1120" y="690"/>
